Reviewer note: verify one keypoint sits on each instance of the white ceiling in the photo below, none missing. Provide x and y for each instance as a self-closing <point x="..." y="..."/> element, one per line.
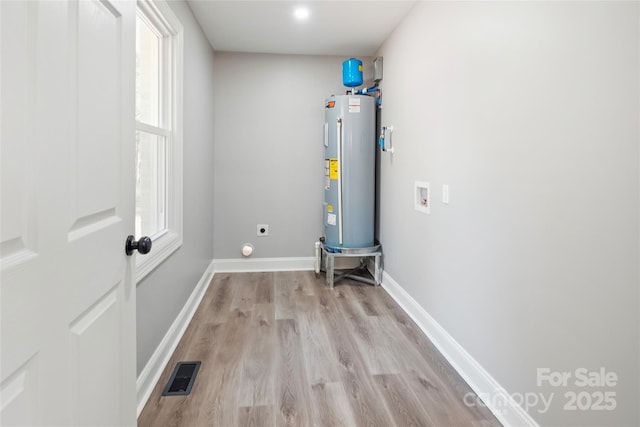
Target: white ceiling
<point x="344" y="28"/>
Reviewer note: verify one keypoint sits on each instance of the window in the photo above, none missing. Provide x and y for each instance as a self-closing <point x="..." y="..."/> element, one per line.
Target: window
<point x="158" y="132"/>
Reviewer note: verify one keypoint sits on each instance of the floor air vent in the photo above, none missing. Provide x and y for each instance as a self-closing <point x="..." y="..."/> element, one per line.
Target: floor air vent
<point x="182" y="379"/>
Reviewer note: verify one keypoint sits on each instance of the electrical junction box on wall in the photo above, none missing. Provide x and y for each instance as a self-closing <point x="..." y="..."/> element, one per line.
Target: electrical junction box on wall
<point x="377" y="69"/>
<point x="262" y="230"/>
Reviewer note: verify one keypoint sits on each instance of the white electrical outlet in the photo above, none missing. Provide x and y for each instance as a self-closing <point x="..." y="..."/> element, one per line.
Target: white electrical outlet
<point x="262" y="229"/>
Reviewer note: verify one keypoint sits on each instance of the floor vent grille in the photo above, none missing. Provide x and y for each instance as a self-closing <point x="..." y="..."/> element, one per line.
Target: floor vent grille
<point x="182" y="379"/>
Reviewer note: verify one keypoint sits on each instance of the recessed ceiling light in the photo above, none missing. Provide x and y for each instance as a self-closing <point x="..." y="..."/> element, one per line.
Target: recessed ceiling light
<point x="301" y="13"/>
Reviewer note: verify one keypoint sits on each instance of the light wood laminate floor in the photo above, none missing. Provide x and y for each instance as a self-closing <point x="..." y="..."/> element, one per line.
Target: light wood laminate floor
<point x="281" y="349"/>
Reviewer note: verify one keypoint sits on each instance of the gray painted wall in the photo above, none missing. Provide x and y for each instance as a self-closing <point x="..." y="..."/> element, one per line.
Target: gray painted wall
<point x="269" y="151"/>
<point x="529" y="111"/>
<point x="162" y="294"/>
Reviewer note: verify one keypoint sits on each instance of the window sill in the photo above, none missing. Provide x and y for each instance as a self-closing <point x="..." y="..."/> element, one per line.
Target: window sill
<point x="161" y="249"/>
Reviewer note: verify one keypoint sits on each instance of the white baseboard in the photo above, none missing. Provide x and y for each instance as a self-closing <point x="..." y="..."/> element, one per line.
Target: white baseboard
<point x="237" y="265"/>
<point x="509" y="413"/>
<point x="156" y="364"/>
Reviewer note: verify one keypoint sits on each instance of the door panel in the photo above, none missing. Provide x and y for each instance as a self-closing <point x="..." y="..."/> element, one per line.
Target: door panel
<point x="17" y="211"/>
<point x="98" y="123"/>
<point x="93" y="337"/>
<point x="67" y="152"/>
<point x="19" y="395"/>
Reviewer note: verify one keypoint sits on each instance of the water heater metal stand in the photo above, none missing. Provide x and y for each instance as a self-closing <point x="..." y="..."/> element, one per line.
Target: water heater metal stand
<point x="329" y="258"/>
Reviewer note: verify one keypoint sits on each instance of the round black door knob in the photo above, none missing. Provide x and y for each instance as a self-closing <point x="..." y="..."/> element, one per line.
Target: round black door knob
<point x="143" y="245"/>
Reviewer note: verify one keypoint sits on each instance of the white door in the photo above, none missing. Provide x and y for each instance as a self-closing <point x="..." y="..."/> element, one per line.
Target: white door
<point x="67" y="159"/>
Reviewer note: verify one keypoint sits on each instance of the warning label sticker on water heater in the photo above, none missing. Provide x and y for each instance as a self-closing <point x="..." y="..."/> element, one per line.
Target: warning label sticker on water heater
<point x="354" y="105"/>
<point x="333" y="168"/>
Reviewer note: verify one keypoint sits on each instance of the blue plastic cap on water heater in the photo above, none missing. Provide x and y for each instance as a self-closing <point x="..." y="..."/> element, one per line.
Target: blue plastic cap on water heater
<point x="352" y="72"/>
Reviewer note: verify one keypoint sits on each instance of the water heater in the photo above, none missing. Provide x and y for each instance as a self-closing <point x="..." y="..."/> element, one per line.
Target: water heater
<point x="349" y="186"/>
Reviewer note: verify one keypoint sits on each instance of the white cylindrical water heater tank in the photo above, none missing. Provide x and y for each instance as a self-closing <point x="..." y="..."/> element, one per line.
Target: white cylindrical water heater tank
<point x="349" y="196"/>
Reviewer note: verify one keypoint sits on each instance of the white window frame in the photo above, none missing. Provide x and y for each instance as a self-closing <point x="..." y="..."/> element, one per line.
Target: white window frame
<point x="162" y="17"/>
